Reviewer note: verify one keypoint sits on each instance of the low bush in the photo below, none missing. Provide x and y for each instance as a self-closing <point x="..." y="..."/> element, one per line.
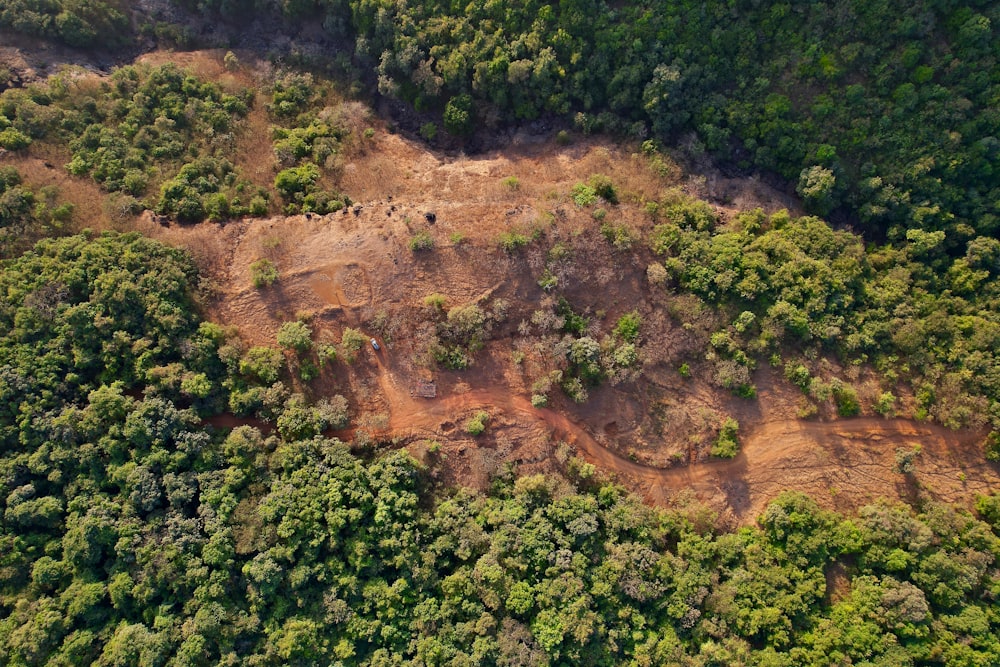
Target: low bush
<point x="421" y="241"/>
<point x="512" y="241"/>
<point x="476" y="424"/>
<point x="727" y="445"/>
<point x="263" y="273"/>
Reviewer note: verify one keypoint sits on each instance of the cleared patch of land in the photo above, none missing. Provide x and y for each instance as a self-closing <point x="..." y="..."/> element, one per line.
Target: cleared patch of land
<point x="355" y="268"/>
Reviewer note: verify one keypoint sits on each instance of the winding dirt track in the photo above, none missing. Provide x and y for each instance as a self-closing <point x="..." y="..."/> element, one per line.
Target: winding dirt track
<point x="852" y="459"/>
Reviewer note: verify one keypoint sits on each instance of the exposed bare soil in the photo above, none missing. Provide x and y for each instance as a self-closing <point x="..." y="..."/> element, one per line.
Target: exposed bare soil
<point x="355" y="269"/>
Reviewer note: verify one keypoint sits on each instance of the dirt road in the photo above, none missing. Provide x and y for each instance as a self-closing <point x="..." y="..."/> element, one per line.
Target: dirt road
<point x="845" y="462"/>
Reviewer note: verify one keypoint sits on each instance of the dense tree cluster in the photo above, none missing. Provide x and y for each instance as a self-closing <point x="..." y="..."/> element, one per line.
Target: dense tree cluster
<point x="157" y="136"/>
<point x="26" y="214"/>
<point x="883" y="111"/>
<point x="909" y="309"/>
<point x="886" y="110"/>
<point x="81" y="23"/>
<point x="133" y="534"/>
<point x="308" y="139"/>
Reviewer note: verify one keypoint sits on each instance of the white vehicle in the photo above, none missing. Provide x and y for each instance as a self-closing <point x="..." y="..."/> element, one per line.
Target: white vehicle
<point x="375" y="345"/>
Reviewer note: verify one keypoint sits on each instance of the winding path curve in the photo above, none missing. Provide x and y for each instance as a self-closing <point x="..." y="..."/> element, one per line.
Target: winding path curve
<point x="851" y="460"/>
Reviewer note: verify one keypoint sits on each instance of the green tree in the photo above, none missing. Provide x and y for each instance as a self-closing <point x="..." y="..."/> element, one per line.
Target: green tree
<point x="296" y="336"/>
<point x="458" y="115"/>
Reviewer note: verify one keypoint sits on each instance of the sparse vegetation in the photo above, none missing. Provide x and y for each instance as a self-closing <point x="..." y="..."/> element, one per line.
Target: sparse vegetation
<point x="152" y="126"/>
<point x="26" y="214"/>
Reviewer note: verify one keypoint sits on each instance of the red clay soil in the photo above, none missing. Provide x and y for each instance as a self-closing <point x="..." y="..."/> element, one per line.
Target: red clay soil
<point x="849" y="461"/>
<point x="355" y="269"/>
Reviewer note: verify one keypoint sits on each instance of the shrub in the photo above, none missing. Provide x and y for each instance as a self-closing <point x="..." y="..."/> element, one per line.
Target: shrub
<point x="454" y="357"/>
<point x="477" y="423"/>
<point x="619" y="236"/>
<point x="436" y="302"/>
<point x="291" y="94"/>
<point x="13" y="140"/>
<point x="574" y="388"/>
<point x="799" y="376"/>
<point x="295" y="182"/>
<point x="428" y="131"/>
<point x="511" y="183"/>
<point x="327" y="354"/>
<point x="846" y="399"/>
<point x="512" y="241"/>
<point x="906" y="462"/>
<point x="194" y="193"/>
<point x="458" y="116"/>
<point x="421" y="241"/>
<point x="583" y="195"/>
<point x="727" y="445"/>
<point x="628" y="326"/>
<point x="323" y="202"/>
<point x="817" y="186"/>
<point x="992" y="447"/>
<point x="657" y="274"/>
<point x="539" y="400"/>
<point x="258" y="206"/>
<point x="300" y="421"/>
<point x="548" y="281"/>
<point x="308" y="371"/>
<point x="263" y="273"/>
<point x="603" y="188"/>
<point x="264" y="363"/>
<point x="351" y="341"/>
<point x="886" y="404"/>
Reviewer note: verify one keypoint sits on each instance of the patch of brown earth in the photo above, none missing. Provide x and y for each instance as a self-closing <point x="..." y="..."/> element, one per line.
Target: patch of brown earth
<point x="354" y="268"/>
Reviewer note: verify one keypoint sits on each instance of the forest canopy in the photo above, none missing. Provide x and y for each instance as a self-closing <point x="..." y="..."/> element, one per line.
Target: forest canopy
<point x="132" y="533"/>
<point x="884" y="113"/>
